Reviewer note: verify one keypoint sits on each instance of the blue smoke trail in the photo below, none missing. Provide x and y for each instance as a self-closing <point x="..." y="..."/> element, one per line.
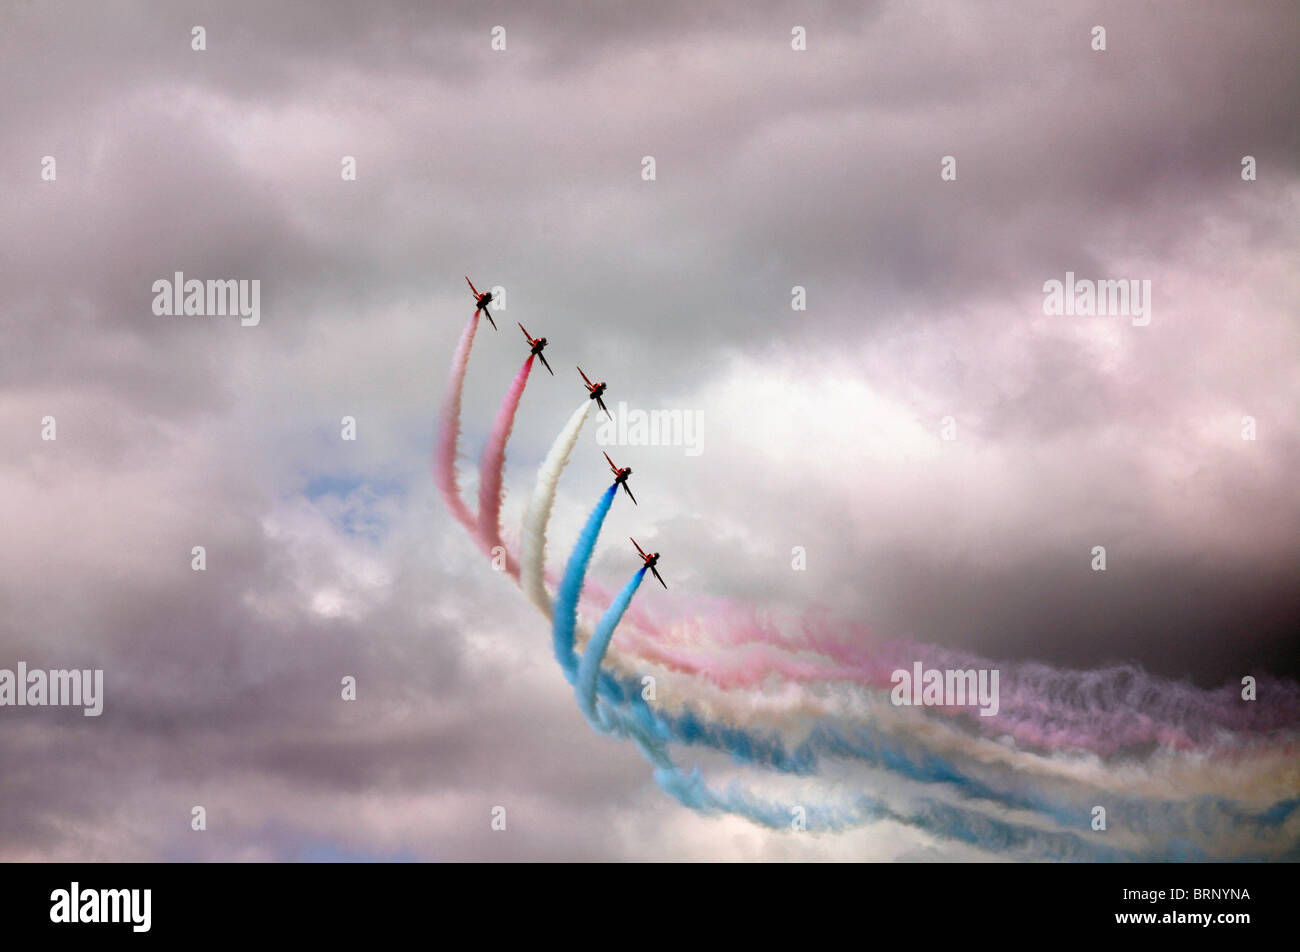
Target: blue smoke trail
<point x="565" y="618"/>
<point x="589" y="669"/>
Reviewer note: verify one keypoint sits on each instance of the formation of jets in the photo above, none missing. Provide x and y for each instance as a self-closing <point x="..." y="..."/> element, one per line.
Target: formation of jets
<point x="595" y="391"/>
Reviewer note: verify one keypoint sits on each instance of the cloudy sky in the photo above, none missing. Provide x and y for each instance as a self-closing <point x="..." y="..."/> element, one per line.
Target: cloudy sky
<point x="821" y="428"/>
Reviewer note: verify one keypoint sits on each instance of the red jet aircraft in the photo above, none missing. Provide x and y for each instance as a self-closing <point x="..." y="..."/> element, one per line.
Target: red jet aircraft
<point x="595" y="390"/>
<point x="620" y="477"/>
<point x="650" y="561"/>
<point x="538" y="344"/>
<point x="482" y="301"/>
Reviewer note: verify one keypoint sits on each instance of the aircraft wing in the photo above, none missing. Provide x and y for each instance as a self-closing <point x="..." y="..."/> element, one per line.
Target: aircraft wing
<point x="658" y="576"/>
<point x="542" y="358"/>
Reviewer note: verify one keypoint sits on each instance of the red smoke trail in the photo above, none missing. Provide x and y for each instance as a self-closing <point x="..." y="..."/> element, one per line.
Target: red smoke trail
<point x="491" y="468"/>
<point x="444" y="456"/>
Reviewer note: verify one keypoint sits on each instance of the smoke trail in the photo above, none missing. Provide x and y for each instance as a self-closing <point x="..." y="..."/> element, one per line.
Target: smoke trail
<point x="492" y="467"/>
<point x="532" y="555"/>
<point x="565" y="617"/>
<point x="591" y="658"/>
<point x="444" y="457"/>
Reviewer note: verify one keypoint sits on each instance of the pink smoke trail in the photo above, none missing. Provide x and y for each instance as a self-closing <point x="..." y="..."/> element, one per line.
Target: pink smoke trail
<point x="444" y="456"/>
<point x="492" y="467"/>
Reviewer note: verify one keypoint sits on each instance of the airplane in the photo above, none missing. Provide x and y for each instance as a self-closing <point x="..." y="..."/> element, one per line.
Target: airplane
<point x="539" y="343"/>
<point x="482" y="301"/>
<point x="596" y="390"/>
<point x="620" y="477"/>
<point x="650" y="561"/>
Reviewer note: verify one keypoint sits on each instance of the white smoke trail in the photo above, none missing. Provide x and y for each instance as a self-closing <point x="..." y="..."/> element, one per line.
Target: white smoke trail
<point x="532" y="556"/>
